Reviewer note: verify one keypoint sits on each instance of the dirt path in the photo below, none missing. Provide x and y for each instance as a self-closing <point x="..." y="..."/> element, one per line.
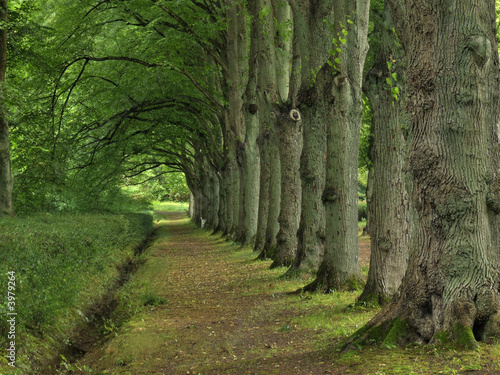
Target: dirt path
<point x="220" y="315"/>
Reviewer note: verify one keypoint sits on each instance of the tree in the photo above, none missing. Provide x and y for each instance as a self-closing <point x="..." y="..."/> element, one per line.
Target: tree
<point x="390" y="221"/>
<point x="339" y="269"/>
<point x="451" y="287"/>
<point x="6" y="207"/>
<point x="312" y="42"/>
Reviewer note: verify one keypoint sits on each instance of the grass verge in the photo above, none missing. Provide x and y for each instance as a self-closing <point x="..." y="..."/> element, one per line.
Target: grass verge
<point x="171" y="206"/>
<point x="61" y="264"/>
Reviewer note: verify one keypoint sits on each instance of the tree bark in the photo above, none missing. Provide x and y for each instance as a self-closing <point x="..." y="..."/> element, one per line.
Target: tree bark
<point x="290" y="145"/>
<point x="340" y="267"/>
<point x="234" y="120"/>
<point x="272" y="225"/>
<point x="313" y="40"/>
<point x="389" y="201"/>
<point x="265" y="167"/>
<point x="6" y="205"/>
<point x="451" y="288"/>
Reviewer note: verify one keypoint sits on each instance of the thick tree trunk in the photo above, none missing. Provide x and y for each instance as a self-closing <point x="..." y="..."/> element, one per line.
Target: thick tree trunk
<point x="234" y="120"/>
<point x="290" y="135"/>
<point x="340" y="267"/>
<point x="6" y="206"/>
<point x="451" y="288"/>
<point x="272" y="226"/>
<point x="389" y="202"/>
<point x="313" y="40"/>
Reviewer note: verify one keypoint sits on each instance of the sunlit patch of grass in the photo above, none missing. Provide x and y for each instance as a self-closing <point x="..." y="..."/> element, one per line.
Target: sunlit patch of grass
<point x="171" y="206"/>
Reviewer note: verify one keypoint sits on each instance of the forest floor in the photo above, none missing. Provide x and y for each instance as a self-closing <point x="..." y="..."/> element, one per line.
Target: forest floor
<point x="213" y="309"/>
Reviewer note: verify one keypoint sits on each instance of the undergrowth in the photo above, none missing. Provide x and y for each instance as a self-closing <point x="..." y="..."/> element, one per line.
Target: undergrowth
<point x="61" y="264"/>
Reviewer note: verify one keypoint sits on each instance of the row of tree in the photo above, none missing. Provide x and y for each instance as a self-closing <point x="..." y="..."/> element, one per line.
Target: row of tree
<point x="259" y="103"/>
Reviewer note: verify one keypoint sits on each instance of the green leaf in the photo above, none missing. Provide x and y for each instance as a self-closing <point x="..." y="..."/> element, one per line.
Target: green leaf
<point x="342" y="40"/>
<point x="264" y="12"/>
<point x="345" y="32"/>
<point x="339" y="50"/>
<point x="395" y="76"/>
<point x="349" y="21"/>
<point x="337" y="60"/>
<point x="389" y="81"/>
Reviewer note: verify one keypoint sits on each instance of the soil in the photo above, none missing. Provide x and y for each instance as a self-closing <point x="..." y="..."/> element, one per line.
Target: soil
<point x="219" y="317"/>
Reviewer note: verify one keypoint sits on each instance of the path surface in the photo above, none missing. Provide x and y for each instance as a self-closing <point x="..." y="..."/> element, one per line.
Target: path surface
<point x="219" y="316"/>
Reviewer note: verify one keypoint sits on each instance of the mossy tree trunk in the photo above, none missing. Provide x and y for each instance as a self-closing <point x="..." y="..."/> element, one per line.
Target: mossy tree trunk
<point x="339" y="269"/>
<point x="288" y="131"/>
<point x="290" y="145"/>
<point x="451" y="288"/>
<point x="389" y="202"/>
<point x="273" y="80"/>
<point x="313" y="40"/>
<point x="234" y="126"/>
<point x="272" y="224"/>
<point x="6" y="206"/>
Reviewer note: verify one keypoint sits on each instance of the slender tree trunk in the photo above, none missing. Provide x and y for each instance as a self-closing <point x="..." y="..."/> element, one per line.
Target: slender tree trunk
<point x="369" y="194"/>
<point x="265" y="167"/>
<point x="222" y="223"/>
<point x="340" y="267"/>
<point x="191" y="205"/>
<point x="213" y="208"/>
<point x="389" y="202"/>
<point x="6" y="206"/>
<point x="451" y="287"/>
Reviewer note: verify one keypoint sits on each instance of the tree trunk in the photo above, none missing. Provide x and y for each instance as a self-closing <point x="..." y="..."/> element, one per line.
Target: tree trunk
<point x="272" y="226"/>
<point x="313" y="40"/>
<point x="451" y="288"/>
<point x="340" y="267"/>
<point x="6" y="206"/>
<point x="389" y="201"/>
<point x="191" y="205"/>
<point x="369" y="194"/>
<point x="265" y="176"/>
<point x="234" y="120"/>
<point x="290" y="135"/>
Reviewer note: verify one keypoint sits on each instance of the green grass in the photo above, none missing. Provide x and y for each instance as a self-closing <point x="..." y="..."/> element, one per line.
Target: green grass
<point x="62" y="263"/>
<point x="171" y="206"/>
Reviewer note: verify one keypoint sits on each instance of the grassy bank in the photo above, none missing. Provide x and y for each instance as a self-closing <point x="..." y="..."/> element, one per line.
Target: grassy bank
<point x="60" y="265"/>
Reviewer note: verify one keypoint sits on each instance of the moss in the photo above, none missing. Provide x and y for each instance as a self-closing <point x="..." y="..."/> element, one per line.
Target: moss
<point x="373" y="300"/>
<point x="464" y="337"/>
<point x="366" y="335"/>
<point x="353" y="283"/>
<point x="443" y="337"/>
<point x="398" y="329"/>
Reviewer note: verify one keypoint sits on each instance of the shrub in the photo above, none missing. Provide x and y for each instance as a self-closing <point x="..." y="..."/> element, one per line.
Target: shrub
<point x="362" y="211"/>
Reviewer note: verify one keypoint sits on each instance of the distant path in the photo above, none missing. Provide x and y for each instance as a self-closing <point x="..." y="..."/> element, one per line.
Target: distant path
<point x="219" y="317"/>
